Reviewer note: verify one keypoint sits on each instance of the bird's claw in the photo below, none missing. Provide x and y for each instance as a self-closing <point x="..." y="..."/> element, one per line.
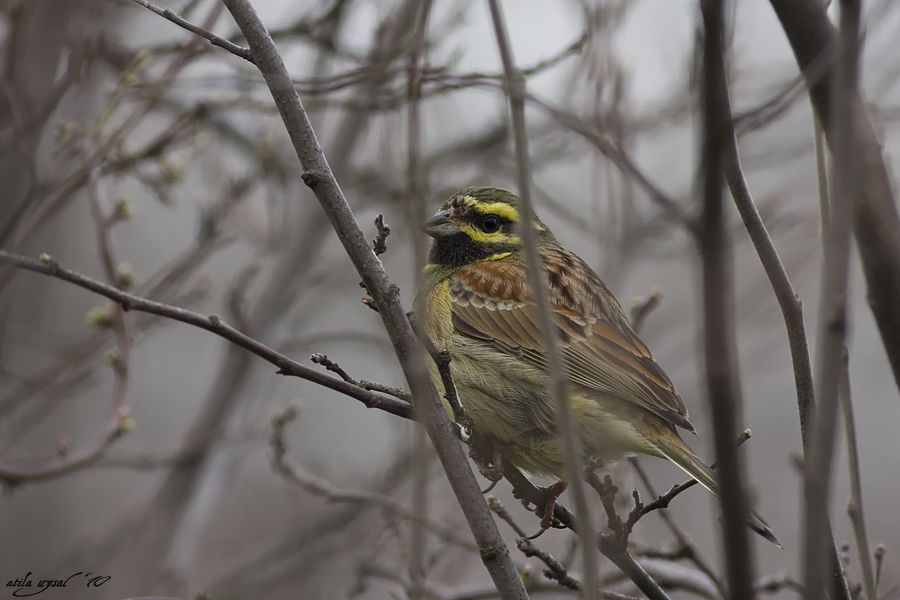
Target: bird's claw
<point x="490" y="486"/>
<point x="540" y="532"/>
<point x="546" y="507"/>
<point x="490" y="468"/>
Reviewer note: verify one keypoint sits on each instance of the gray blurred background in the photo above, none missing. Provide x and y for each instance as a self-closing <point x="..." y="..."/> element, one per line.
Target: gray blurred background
<point x="107" y="103"/>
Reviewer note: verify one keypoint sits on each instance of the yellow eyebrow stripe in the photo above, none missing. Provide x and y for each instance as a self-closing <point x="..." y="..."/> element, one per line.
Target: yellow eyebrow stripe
<point x="501" y="209"/>
<point x="498" y="237"/>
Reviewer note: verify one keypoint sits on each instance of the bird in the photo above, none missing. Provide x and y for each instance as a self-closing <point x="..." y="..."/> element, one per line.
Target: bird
<point x="480" y="310"/>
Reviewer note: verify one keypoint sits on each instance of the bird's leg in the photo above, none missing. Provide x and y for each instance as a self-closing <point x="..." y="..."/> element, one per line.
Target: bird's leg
<point x="488" y="459"/>
<point x="553" y="492"/>
<point x="545" y="509"/>
<point x="493" y="471"/>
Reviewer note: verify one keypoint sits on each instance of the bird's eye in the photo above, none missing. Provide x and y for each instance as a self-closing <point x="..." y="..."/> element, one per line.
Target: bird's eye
<point x="490" y="223"/>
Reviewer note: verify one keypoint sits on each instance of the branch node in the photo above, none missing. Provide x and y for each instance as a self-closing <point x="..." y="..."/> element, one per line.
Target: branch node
<point x="379" y="246"/>
<point x="330" y="365"/>
<point x="127" y="423"/>
<point x="48" y="260"/>
<point x="311" y="178"/>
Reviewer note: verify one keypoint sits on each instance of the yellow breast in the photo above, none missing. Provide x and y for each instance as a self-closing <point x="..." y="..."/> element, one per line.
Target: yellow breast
<point x="438" y="323"/>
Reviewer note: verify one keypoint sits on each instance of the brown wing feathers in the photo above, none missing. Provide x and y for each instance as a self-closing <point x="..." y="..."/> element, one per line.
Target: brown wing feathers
<point x="491" y="302"/>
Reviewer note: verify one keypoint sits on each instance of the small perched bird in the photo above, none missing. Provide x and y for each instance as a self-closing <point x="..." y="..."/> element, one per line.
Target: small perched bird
<point x="480" y="309"/>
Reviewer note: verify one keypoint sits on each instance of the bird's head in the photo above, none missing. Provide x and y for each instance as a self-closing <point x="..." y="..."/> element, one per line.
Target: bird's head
<point x="477" y="223"/>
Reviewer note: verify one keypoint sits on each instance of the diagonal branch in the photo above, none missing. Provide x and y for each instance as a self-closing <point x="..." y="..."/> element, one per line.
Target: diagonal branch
<point x="169" y="14"/>
<point x="46" y="265"/>
<point x="318" y="176"/>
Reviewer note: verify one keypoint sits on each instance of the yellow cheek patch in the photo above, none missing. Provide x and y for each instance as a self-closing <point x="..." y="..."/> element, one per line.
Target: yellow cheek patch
<point x="498" y="237"/>
<point x="501" y="209"/>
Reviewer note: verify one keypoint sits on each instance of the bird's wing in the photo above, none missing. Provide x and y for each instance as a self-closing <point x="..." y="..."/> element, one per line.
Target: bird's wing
<point x="492" y="302"/>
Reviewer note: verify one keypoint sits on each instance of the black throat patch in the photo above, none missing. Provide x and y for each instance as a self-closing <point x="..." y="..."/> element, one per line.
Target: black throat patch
<point x="460" y="249"/>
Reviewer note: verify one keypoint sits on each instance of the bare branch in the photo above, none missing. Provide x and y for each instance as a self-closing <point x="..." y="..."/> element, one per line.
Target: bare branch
<point x="46" y="265"/>
<point x="379" y="244"/>
<point x="876" y="222"/>
<point x="321" y="487"/>
<point x="119" y="420"/>
<point x="663" y="500"/>
<point x="609" y="545"/>
<point x="429" y="409"/>
<point x="554" y="570"/>
<point x="832" y="326"/>
<point x="557" y="383"/>
<point x="451" y="394"/>
<point x="642" y="308"/>
<point x="687" y="546"/>
<point x="880" y="552"/>
<point x="415" y="217"/>
<point x="723" y="387"/>
<point x="212" y="38"/>
<point x="788" y="299"/>
<point x="855" y="505"/>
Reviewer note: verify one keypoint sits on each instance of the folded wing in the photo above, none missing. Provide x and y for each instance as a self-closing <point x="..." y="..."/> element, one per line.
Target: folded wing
<point x="493" y="303"/>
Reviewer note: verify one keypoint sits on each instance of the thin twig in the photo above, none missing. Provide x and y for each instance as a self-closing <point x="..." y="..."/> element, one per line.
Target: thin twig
<point x="691" y="551"/>
<point x="497" y="507"/>
<point x="119" y="421"/>
<point x="832" y="326"/>
<point x="379" y="244"/>
<point x="442" y="360"/>
<point x="880" y="552"/>
<point x="607" y="490"/>
<point x="557" y="382"/>
<point x="526" y="491"/>
<point x="46" y="265"/>
<point x="663" y="500"/>
<point x="642" y="308"/>
<point x="723" y="387"/>
<point x="330" y="365"/>
<point x="855" y="505"/>
<point x="324" y="489"/>
<point x="415" y="217"/>
<point x="212" y="38"/>
<point x="788" y="299"/>
<point x="821" y="174"/>
<point x="554" y="570"/>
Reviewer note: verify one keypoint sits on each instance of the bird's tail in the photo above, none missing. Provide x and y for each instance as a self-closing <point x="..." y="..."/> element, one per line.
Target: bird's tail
<point x="678" y="452"/>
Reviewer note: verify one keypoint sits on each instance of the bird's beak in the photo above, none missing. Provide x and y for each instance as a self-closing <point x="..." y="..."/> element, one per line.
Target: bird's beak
<point x="440" y="225"/>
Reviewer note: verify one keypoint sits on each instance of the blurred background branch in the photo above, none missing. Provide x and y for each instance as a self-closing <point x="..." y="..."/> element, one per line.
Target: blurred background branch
<point x="130" y="139"/>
